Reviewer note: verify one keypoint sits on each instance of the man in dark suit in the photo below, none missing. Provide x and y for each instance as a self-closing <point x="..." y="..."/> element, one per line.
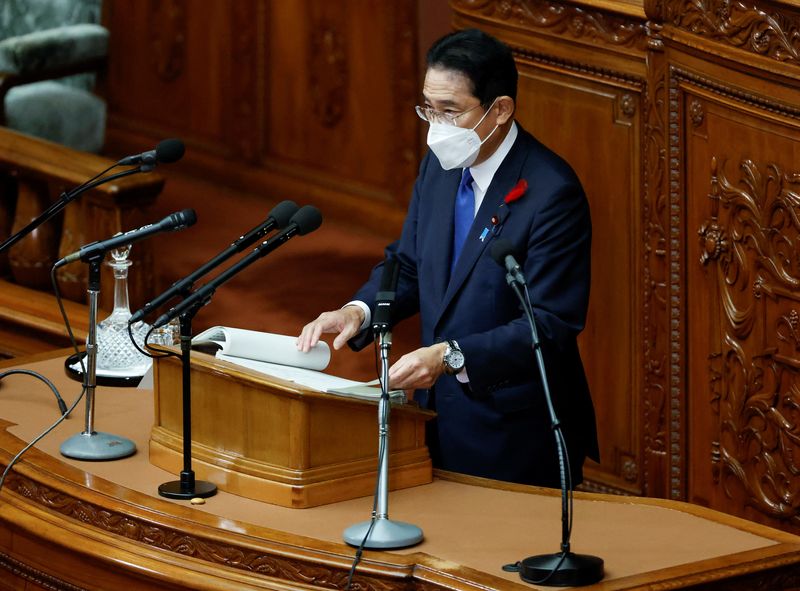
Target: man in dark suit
<point x="485" y="177"/>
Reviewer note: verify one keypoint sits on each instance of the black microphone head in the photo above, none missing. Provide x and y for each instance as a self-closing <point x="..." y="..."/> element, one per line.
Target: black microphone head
<point x="501" y="248"/>
<point x="283" y="212"/>
<point x="182" y="219"/>
<point x="308" y="218"/>
<point x="170" y="150"/>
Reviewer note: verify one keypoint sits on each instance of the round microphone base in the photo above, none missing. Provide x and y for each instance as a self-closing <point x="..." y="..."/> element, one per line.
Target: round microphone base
<point x="385" y="534"/>
<point x="561" y="570"/>
<point x="199" y="489"/>
<point x="97" y="446"/>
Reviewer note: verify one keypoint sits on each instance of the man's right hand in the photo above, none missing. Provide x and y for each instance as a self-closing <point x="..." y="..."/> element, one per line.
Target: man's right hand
<point x="345" y="321"/>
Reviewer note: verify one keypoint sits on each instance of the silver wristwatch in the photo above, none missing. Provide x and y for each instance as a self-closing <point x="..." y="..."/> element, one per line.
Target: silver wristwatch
<point x="453" y="360"/>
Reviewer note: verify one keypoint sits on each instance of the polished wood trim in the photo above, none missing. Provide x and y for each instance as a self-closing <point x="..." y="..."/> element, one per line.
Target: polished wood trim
<point x="278" y="442"/>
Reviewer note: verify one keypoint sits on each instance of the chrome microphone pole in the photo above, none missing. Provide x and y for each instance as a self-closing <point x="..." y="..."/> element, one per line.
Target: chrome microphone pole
<point x="380" y="531"/>
<point x="90" y="444"/>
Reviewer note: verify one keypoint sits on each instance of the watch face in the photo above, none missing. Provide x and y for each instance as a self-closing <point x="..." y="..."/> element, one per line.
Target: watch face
<point x="455" y="359"/>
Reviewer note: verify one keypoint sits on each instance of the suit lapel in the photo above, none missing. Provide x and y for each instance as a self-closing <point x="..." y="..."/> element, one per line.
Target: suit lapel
<point x="504" y="180"/>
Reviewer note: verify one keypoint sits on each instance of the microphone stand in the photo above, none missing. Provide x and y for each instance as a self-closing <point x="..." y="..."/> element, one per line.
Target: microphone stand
<point x="56" y="207"/>
<point x="89" y="444"/>
<point x="380" y="531"/>
<point x="564" y="568"/>
<point x="187" y="487"/>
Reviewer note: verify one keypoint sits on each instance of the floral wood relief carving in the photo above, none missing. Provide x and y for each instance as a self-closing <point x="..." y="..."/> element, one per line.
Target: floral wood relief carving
<point x="758" y="285"/>
<point x="560" y="19"/>
<point x="627" y="105"/>
<point x="696" y="112"/>
<point x="167" y="27"/>
<point x="739" y="24"/>
<point x="179" y="542"/>
<point x="328" y="73"/>
<point x="655" y="321"/>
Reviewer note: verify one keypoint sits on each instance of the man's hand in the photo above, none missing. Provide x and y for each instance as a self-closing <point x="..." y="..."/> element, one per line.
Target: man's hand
<point x="345" y="321"/>
<point x="418" y="369"/>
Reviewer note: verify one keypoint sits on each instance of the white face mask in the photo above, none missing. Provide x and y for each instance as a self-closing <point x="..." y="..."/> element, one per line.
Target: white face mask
<point x="456" y="147"/>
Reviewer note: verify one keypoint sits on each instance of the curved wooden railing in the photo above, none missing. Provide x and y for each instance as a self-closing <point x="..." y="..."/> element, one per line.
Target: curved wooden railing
<point x="33" y="173"/>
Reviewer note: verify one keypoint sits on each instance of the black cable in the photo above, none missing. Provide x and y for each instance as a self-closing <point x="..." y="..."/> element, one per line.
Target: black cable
<point x="62" y="406"/>
<point x="148" y="346"/>
<point x="66" y="411"/>
<point x="72" y="340"/>
<point x="562" y="443"/>
<point x="40" y="437"/>
<point x="563" y="456"/>
<point x="373" y="519"/>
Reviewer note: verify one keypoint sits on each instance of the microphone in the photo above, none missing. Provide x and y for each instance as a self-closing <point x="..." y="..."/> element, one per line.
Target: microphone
<point x="173" y="222"/>
<point x="502" y="252"/>
<point x="381" y="320"/>
<point x="166" y="151"/>
<point x="564" y="568"/>
<point x="307" y="219"/>
<point x="279" y="217"/>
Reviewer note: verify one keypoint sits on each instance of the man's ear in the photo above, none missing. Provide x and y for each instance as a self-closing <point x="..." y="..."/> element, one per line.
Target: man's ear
<point x="504" y="106"/>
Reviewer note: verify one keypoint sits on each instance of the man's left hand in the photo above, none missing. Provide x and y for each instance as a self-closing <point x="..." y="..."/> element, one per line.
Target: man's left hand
<point x="418" y="369"/>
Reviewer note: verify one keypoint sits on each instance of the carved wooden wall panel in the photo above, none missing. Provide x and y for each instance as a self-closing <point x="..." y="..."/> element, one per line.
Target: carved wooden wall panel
<point x="707" y="407"/>
<point x="565" y="114"/>
<point x="297" y="100"/>
<point x="743" y="203"/>
<point x="585" y="100"/>
<point x="656" y="105"/>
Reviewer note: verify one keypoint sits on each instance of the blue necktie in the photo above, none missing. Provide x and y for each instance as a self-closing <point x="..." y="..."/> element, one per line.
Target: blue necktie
<point x="464" y="214"/>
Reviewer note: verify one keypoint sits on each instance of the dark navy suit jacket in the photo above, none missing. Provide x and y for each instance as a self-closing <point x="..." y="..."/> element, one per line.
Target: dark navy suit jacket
<point x="498" y="426"/>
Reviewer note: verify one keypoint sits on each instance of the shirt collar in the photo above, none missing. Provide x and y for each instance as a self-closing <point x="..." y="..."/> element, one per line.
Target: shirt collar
<point x="483" y="173"/>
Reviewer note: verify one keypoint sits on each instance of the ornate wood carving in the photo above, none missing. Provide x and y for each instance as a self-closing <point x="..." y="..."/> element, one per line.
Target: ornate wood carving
<point x="696" y="113"/>
<point x="655" y="312"/>
<point x="627" y="105"/>
<point x="167" y="32"/>
<point x="750" y="26"/>
<point x="209" y="550"/>
<point x="24" y="572"/>
<point x="591" y="26"/>
<point x="676" y="304"/>
<point x="757" y="219"/>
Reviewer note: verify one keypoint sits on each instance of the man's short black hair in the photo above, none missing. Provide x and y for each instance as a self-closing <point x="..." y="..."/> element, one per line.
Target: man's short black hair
<point x="486" y="62"/>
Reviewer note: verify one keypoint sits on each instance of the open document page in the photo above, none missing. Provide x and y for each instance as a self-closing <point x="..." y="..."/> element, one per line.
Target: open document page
<point x="276" y="355"/>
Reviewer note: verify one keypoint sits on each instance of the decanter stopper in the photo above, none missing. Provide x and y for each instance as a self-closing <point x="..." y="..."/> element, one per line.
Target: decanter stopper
<point x="115" y="351"/>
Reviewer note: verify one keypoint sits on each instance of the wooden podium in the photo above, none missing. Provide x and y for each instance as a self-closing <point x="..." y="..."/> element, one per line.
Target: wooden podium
<point x="271" y="440"/>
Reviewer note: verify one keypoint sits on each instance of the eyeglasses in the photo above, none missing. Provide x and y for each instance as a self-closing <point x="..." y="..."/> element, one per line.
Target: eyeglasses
<point x="431" y="115"/>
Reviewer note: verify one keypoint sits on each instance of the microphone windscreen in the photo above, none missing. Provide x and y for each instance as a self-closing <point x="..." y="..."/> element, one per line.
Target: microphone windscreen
<point x="170" y="150"/>
<point x="308" y="218"/>
<point x="183" y="219"/>
<point x="501" y="248"/>
<point x="283" y="212"/>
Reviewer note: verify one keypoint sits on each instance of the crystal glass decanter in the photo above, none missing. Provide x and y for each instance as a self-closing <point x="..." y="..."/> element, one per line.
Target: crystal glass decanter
<point x="114" y="348"/>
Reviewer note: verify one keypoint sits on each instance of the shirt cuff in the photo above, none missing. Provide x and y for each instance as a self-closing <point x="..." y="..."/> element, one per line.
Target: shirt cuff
<point x="462" y="376"/>
<point x="365" y="309"/>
